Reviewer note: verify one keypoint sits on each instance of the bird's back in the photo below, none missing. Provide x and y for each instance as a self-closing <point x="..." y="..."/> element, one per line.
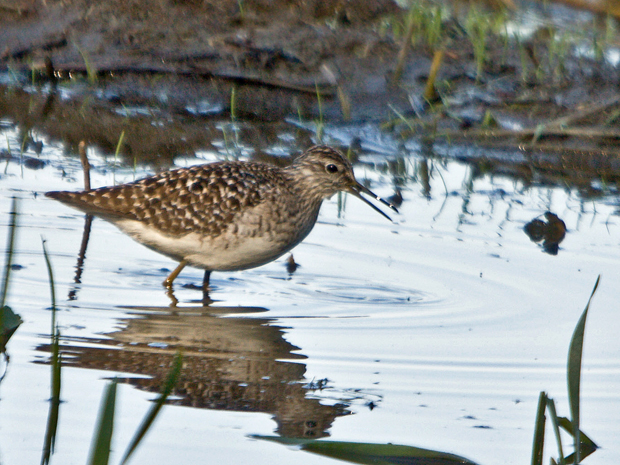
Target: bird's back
<point x="204" y="199"/>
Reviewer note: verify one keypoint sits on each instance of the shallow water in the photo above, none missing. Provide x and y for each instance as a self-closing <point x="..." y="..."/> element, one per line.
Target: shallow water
<point x="437" y="331"/>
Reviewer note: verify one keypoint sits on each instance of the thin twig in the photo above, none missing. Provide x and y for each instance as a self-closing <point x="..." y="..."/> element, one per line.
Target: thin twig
<point x="85" y="164"/>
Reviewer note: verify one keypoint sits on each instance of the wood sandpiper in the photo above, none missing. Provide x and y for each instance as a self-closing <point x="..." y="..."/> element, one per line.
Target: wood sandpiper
<point x="228" y="215"/>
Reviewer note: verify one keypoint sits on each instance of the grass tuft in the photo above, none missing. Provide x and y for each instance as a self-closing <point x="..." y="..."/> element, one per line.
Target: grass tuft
<point x="478" y="27"/>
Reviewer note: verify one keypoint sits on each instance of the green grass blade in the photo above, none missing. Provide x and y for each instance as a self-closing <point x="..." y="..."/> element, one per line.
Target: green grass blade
<point x="9" y="321"/>
<point x="9" y="253"/>
<point x="52" y="287"/>
<point x="56" y="363"/>
<point x="539" y="430"/>
<point x="91" y="72"/>
<point x="119" y="144"/>
<point x="320" y="125"/>
<point x="116" y="152"/>
<point x="587" y="445"/>
<point x="556" y="428"/>
<point x="171" y="380"/>
<point x="102" y="440"/>
<point x="574" y="372"/>
<point x="233" y="104"/>
<point x="54" y="410"/>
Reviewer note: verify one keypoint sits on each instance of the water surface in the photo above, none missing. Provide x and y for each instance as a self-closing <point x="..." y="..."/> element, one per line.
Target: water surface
<point x="437" y="331"/>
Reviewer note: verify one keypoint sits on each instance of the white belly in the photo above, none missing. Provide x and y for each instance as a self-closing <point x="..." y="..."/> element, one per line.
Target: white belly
<point x="226" y="252"/>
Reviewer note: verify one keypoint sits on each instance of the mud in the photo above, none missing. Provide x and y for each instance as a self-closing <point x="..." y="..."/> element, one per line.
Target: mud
<point x="168" y="73"/>
<point x="198" y="47"/>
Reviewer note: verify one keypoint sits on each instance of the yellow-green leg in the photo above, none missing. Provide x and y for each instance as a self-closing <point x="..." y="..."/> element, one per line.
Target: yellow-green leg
<point x="172" y="276"/>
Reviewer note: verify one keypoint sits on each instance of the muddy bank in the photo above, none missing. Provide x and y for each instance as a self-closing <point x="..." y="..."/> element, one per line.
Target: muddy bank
<point x="280" y="54"/>
<point x="266" y="78"/>
<point x="187" y="49"/>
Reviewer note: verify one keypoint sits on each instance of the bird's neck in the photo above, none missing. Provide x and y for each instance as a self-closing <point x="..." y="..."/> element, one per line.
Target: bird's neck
<point x="303" y="178"/>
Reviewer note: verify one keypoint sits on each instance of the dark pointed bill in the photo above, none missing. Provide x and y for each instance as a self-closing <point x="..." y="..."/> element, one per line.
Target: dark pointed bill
<point x="357" y="190"/>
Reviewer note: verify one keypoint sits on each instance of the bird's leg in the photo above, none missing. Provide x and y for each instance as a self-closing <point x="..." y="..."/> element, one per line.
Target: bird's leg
<point x="206" y="300"/>
<point x="172" y="276"/>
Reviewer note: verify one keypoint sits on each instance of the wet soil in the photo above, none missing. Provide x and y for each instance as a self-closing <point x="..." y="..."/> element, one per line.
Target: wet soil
<point x="295" y="46"/>
<point x="281" y="53"/>
<point x="168" y="73"/>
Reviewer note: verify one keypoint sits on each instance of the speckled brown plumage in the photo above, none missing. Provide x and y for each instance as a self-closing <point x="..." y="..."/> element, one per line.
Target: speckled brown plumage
<point x="203" y="199"/>
<point x="224" y="215"/>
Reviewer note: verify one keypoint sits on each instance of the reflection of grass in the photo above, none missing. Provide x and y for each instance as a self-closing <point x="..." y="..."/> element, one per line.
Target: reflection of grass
<point x="231" y="145"/>
<point x="233" y="104"/>
<point x="8" y="148"/>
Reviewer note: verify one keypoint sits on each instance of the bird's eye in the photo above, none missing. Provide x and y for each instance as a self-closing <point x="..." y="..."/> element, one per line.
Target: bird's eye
<point x="331" y="168"/>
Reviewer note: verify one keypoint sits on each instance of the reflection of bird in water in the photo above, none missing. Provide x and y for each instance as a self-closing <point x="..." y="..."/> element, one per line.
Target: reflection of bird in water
<point x="224" y="216"/>
<point x="550" y="233"/>
<point x="233" y="363"/>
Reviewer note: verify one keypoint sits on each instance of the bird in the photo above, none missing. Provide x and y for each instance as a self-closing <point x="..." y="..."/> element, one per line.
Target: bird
<point x="226" y="215"/>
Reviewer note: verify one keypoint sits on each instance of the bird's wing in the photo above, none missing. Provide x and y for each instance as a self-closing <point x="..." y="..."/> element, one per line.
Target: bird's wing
<point x="203" y="198"/>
